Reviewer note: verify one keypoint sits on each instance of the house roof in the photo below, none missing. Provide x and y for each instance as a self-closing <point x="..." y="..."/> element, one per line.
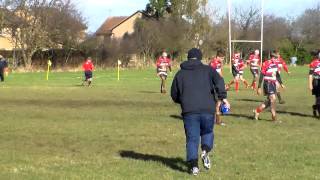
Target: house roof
<point x="113" y="22"/>
<point x="110" y="23"/>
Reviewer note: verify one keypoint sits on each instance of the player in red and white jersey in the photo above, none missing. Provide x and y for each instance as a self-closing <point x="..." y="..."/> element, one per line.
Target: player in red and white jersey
<point x="238" y="66"/>
<point x="88" y="67"/>
<point x="254" y="63"/>
<point x="163" y="65"/>
<point x="314" y="82"/>
<point x="269" y="75"/>
<point x="217" y="63"/>
<point x="282" y="64"/>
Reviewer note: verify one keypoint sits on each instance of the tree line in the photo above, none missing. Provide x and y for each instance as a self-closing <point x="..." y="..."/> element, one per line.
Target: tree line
<point x="38" y="27"/>
<point x="178" y="25"/>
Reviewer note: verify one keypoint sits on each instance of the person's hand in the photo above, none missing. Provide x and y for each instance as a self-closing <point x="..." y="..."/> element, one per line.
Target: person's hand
<point x="283" y="86"/>
<point x="259" y="91"/>
<point x="289" y="73"/>
<point x="310" y="87"/>
<point x="226" y="102"/>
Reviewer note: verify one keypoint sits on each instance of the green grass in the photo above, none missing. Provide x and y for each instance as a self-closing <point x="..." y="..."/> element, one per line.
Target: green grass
<point x="57" y="129"/>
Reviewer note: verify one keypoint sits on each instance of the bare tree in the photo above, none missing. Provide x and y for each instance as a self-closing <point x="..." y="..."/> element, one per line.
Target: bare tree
<point x="306" y="28"/>
<point x="41" y="24"/>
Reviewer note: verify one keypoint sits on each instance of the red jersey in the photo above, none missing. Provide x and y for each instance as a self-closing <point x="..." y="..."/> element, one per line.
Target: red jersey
<point x="238" y="64"/>
<point x="254" y="61"/>
<point x="163" y="63"/>
<point x="315" y="68"/>
<point x="269" y="70"/>
<point x="282" y="64"/>
<point x="87" y="66"/>
<point x="216" y="64"/>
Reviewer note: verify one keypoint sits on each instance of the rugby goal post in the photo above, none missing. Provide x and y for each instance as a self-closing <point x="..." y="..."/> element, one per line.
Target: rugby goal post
<point x="232" y="41"/>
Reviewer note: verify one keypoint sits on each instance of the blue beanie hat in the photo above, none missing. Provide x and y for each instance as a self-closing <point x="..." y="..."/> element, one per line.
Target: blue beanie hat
<point x="195" y="53"/>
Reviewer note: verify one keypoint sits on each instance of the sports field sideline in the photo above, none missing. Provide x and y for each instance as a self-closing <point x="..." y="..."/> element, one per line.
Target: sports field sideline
<point x="58" y="129"/>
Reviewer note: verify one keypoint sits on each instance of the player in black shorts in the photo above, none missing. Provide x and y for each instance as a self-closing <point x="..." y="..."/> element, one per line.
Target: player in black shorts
<point x="163" y="65"/>
<point x="269" y="75"/>
<point x="314" y="82"/>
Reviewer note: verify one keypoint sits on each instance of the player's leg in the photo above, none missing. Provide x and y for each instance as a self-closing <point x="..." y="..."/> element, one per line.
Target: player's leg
<point x="89" y="78"/>
<point x="162" y="86"/>
<point x="207" y="138"/>
<point x="192" y="132"/>
<point x="234" y="74"/>
<point x="85" y="81"/>
<point x="268" y="89"/>
<point x="281" y="101"/>
<point x="254" y="78"/>
<point x="318" y="104"/>
<point x="244" y="81"/>
<point x="236" y="79"/>
<point x="164" y="80"/>
<point x="273" y="106"/>
<point x="261" y="107"/>
<point x="316" y="93"/>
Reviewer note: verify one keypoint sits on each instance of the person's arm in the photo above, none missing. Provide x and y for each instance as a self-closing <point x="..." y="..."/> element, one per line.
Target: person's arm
<point x="310" y="82"/>
<point x="285" y="67"/>
<point x="311" y="77"/>
<point x="170" y="65"/>
<point x="175" y="90"/>
<point x="260" y="80"/>
<point x="279" y="79"/>
<point x="219" y="85"/>
<point x="259" y="91"/>
<point x="158" y="62"/>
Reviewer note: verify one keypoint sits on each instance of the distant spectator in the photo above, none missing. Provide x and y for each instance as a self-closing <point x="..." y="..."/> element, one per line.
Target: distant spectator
<point x="294" y="60"/>
<point x="3" y="67"/>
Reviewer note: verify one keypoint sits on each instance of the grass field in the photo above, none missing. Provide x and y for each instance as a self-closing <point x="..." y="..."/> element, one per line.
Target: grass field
<point x="58" y="129"/>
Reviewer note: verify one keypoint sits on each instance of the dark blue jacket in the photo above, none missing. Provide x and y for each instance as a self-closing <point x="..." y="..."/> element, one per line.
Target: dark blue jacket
<point x="3" y="64"/>
<point x="195" y="87"/>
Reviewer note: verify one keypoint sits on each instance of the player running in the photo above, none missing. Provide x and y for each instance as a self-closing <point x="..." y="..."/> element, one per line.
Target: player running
<point x="163" y="65"/>
<point x="314" y="82"/>
<point x="216" y="63"/>
<point x="238" y="66"/>
<point x="254" y="63"/>
<point x="87" y="68"/>
<point x="269" y="75"/>
<point x="281" y="65"/>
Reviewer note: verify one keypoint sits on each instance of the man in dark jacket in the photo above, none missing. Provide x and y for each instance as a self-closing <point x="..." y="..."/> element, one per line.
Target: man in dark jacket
<point x="3" y="67"/>
<point x="194" y="87"/>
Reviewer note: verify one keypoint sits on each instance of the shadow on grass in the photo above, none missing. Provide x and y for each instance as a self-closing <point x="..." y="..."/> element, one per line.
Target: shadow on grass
<point x="177" y="164"/>
<point x="295" y="114"/>
<point x="249" y="117"/>
<point x="76" y="103"/>
<point x="149" y="92"/>
<point x="249" y="100"/>
<point x="178" y="117"/>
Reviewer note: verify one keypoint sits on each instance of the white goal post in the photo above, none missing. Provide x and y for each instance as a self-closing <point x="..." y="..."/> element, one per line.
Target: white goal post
<point x="231" y="40"/>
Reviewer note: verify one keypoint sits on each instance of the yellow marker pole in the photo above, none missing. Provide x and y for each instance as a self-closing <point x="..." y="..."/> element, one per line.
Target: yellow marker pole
<point x="119" y="63"/>
<point x="48" y="70"/>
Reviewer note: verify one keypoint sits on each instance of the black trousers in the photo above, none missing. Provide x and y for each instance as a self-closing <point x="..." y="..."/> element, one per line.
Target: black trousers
<point x="1" y="75"/>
